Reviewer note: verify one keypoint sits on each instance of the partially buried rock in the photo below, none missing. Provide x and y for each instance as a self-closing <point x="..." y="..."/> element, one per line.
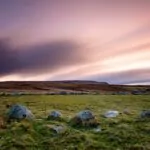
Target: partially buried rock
<point x="127" y="111"/>
<point x="85" y="118"/>
<point x="97" y="130"/>
<point x="54" y="115"/>
<point x="59" y="129"/>
<point x="145" y="114"/>
<point x="111" y="114"/>
<point x="19" y="112"/>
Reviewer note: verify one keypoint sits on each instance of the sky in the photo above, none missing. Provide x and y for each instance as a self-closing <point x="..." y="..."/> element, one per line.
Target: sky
<point x="100" y="40"/>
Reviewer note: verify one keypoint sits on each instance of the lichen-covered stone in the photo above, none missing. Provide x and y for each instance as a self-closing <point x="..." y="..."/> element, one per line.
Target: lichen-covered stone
<point x="19" y="112"/>
<point x="85" y="118"/>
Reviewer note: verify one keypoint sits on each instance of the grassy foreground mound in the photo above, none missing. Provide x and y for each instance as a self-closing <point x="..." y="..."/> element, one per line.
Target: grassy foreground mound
<point x="124" y="132"/>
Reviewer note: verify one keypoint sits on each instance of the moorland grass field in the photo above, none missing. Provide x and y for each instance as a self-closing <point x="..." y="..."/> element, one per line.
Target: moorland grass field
<point x="125" y="132"/>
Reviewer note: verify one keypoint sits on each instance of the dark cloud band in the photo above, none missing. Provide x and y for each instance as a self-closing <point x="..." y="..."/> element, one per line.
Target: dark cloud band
<point x="39" y="58"/>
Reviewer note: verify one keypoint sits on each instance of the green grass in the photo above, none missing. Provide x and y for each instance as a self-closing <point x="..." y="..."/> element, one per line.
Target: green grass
<point x="125" y="132"/>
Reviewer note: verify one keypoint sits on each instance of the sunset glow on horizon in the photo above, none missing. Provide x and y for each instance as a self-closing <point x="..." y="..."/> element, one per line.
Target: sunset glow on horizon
<point x="101" y="40"/>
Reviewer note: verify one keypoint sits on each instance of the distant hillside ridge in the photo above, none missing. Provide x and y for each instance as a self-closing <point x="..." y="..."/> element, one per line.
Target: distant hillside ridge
<point x="82" y="82"/>
<point x="72" y="85"/>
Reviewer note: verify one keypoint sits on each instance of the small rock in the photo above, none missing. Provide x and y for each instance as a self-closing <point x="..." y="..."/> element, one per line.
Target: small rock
<point x="98" y="129"/>
<point x="127" y="111"/>
<point x="57" y="128"/>
<point x="55" y="115"/>
<point x="145" y="114"/>
<point x="111" y="114"/>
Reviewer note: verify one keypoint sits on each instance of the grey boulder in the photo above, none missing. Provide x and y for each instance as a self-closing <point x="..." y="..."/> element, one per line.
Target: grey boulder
<point x="19" y="112"/>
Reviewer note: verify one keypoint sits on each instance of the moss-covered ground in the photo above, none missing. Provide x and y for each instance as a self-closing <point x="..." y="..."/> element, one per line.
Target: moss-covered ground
<point x="125" y="132"/>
